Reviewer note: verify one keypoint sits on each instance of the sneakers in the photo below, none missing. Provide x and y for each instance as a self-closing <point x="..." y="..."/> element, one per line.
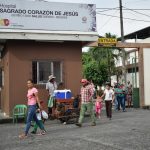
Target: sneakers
<point x="99" y="117"/>
<point x="93" y="124"/>
<point x="65" y="123"/>
<point x="22" y="136"/>
<point x="78" y="124"/>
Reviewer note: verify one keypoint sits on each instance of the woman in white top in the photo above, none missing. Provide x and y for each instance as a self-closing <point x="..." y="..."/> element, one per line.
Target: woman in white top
<point x="109" y="98"/>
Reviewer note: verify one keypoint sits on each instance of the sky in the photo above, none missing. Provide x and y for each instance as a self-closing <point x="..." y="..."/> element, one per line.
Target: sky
<point x="106" y="23"/>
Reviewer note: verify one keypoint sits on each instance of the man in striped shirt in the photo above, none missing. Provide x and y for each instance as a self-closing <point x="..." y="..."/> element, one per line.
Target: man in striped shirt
<point x="86" y="102"/>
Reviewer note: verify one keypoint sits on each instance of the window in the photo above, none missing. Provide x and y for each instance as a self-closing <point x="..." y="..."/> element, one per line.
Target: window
<point x="42" y="69"/>
<point x="132" y="70"/>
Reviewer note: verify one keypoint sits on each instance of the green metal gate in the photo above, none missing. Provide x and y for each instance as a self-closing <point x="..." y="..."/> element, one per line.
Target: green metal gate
<point x="136" y="98"/>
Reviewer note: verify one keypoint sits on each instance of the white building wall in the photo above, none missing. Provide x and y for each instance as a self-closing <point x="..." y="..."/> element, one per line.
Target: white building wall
<point x="131" y="78"/>
<point x="146" y="58"/>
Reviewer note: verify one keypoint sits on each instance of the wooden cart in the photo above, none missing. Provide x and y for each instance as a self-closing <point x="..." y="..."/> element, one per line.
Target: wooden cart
<point x="68" y="112"/>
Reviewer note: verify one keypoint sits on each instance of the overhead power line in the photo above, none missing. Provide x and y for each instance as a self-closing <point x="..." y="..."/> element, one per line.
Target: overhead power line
<point x="108" y="20"/>
<point x="137" y="12"/>
<point x="123" y="17"/>
<point x="108" y="9"/>
<point x="123" y="9"/>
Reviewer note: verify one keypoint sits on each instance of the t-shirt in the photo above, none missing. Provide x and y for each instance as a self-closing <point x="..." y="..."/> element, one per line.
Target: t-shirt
<point x="51" y="87"/>
<point x="116" y="91"/>
<point x="120" y="91"/>
<point x="31" y="96"/>
<point x="108" y="94"/>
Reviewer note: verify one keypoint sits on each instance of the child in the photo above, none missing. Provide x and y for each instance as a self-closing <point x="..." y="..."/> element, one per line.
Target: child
<point x="41" y="116"/>
<point x="98" y="107"/>
<point x="62" y="114"/>
<point x="76" y="101"/>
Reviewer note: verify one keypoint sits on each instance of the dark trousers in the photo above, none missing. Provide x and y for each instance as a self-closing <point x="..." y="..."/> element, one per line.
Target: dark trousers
<point x="108" y="104"/>
<point x="50" y="110"/>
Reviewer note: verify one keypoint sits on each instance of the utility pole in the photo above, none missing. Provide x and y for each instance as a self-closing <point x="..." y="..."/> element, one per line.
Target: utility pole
<point x="122" y="40"/>
<point x="121" y="21"/>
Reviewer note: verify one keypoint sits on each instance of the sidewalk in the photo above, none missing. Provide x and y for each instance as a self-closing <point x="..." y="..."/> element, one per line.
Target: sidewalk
<point x="4" y="118"/>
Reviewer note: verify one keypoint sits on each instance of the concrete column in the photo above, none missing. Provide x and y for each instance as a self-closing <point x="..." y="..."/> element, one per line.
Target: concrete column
<point x="141" y="77"/>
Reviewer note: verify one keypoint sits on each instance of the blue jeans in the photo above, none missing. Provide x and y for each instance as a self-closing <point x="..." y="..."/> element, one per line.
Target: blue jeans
<point x="116" y="102"/>
<point x="121" y="101"/>
<point x="32" y="116"/>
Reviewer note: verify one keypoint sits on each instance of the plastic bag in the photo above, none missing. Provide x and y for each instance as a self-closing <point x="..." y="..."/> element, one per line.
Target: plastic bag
<point x="44" y="114"/>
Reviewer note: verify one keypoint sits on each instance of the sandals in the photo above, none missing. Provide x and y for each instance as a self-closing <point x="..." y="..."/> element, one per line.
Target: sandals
<point x="43" y="132"/>
<point x="22" y="136"/>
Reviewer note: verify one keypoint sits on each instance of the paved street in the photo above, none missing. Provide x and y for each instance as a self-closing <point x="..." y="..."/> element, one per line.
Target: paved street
<point x="126" y="131"/>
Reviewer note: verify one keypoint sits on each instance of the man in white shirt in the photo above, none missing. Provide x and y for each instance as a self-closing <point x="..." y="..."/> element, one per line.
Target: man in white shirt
<point x="109" y="98"/>
<point x="51" y="86"/>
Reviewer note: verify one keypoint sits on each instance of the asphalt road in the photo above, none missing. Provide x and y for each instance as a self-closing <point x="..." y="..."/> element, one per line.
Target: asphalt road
<point x="126" y="131"/>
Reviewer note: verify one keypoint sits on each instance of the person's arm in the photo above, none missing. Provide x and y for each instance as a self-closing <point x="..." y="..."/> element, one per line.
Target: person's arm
<point x="91" y="93"/>
<point x="48" y="90"/>
<point x="55" y="84"/>
<point x="113" y="96"/>
<point x="103" y="94"/>
<point x="37" y="99"/>
<point x="48" y="94"/>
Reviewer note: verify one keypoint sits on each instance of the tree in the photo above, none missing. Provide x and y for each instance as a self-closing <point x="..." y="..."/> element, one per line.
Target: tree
<point x="99" y="63"/>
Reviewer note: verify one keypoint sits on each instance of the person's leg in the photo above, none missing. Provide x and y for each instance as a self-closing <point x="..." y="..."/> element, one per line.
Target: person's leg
<point x="82" y="112"/>
<point x="106" y="105"/>
<point x="118" y="100"/>
<point x="96" y="112"/>
<point x="35" y="128"/>
<point x="124" y="103"/>
<point x="116" y="103"/>
<point x="50" y="106"/>
<point x="31" y="112"/>
<point x="130" y="104"/>
<point x="110" y="109"/>
<point x="40" y="124"/>
<point x="121" y="102"/>
<point x="49" y="111"/>
<point x="130" y="101"/>
<point x="99" y="113"/>
<point x="90" y="108"/>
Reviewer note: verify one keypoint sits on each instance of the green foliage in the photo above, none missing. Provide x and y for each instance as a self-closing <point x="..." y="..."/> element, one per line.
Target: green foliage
<point x="95" y="72"/>
<point x="99" y="63"/>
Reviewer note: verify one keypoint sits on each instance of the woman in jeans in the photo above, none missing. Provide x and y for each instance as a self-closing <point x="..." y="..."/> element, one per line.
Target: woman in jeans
<point x="33" y="98"/>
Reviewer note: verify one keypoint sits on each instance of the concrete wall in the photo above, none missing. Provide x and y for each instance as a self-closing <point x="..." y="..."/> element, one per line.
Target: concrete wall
<point x="130" y="77"/>
<point x="146" y="57"/>
<point x="5" y="91"/>
<point x="18" y="68"/>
